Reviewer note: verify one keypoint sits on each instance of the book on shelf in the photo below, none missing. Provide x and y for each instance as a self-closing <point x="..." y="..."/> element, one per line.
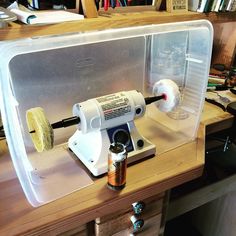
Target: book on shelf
<point x="193" y="5"/>
<point x="202" y="4"/>
<point x="208" y="6"/>
<point x="198" y="5"/>
<point x="230" y="3"/>
<point x="212" y="5"/>
<point x="233" y="6"/>
<point x="217" y="6"/>
<point x="223" y="5"/>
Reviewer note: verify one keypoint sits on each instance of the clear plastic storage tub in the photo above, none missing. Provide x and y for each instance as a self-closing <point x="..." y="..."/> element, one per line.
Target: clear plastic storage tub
<point x="56" y="72"/>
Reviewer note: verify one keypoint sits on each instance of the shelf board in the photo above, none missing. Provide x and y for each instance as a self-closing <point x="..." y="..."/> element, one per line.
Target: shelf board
<point x="111" y="19"/>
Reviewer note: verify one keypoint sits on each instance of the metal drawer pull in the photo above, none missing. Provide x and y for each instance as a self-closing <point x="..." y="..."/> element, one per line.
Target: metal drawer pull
<point x="137" y="223"/>
<point x="138" y="207"/>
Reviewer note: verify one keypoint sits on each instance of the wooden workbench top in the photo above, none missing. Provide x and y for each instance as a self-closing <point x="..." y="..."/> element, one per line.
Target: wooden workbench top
<point x="215" y="119"/>
<point x="145" y="179"/>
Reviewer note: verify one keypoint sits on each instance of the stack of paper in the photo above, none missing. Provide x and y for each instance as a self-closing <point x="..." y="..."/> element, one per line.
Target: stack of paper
<point x="45" y="17"/>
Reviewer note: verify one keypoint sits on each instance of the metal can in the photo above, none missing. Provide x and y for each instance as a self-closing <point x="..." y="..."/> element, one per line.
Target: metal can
<point x="117" y="165"/>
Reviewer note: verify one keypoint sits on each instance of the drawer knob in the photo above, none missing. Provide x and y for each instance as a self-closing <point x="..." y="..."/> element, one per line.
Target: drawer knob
<point x="137" y="223"/>
<point x="138" y="207"/>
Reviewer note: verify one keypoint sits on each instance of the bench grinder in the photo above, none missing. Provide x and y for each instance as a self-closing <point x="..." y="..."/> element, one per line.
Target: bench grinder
<point x="102" y="121"/>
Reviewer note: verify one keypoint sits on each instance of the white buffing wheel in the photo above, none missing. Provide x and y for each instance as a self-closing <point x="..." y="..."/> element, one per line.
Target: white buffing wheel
<point x="41" y="131"/>
<point x="171" y="93"/>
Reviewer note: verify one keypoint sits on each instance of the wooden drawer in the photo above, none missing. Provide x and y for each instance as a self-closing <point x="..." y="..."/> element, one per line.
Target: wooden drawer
<point x="79" y="231"/>
<point x="151" y="227"/>
<point x="119" y="223"/>
<point x="66" y="230"/>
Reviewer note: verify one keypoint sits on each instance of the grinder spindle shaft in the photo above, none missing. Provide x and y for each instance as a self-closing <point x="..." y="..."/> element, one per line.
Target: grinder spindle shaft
<point x="74" y="120"/>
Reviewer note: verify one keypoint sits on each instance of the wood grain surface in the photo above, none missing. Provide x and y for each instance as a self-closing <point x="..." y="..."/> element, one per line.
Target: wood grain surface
<point x="108" y="20"/>
<point x="144" y="180"/>
<point x="148" y="178"/>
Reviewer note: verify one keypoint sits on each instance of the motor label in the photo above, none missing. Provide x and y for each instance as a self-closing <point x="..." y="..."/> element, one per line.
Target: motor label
<point x="114" y="105"/>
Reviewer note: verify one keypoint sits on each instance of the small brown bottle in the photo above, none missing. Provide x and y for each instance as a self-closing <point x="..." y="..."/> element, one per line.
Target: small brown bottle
<point x="117" y="165"/>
